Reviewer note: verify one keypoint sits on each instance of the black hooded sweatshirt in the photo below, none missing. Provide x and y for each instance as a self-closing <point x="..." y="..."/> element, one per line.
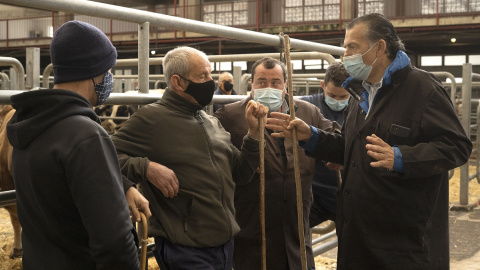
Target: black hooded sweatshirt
<point x="70" y="198"/>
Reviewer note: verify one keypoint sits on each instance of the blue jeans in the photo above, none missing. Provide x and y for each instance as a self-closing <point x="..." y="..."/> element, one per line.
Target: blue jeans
<point x="177" y="257"/>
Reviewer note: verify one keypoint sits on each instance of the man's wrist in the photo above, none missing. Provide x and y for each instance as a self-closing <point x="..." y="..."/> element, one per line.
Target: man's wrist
<point x="398" y="165"/>
<point x="254" y="137"/>
<point x="311" y="143"/>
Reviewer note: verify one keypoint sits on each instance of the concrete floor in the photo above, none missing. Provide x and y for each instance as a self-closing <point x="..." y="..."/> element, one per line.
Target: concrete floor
<point x="465" y="240"/>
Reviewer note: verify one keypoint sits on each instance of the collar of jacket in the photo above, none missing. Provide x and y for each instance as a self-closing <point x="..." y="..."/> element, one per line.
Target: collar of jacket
<point x="219" y="91"/>
<point x="400" y="61"/>
<point x="178" y="103"/>
<point x="355" y="88"/>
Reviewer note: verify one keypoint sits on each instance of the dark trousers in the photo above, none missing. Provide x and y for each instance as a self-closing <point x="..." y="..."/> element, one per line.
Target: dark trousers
<point x="319" y="214"/>
<point x="176" y="257"/>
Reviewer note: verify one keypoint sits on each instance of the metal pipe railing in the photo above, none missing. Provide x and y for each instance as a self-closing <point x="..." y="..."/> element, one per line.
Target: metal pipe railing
<point x="8" y="198"/>
<point x="143" y="56"/>
<point x="133" y="98"/>
<point x="5" y="80"/>
<point x="13" y="62"/>
<point x="320" y="249"/>
<point x="466" y="108"/>
<point x="236" y="57"/>
<point x="465" y="177"/>
<point x="46" y="75"/>
<point x="212" y="58"/>
<point x="156" y="19"/>
<point x="152" y="76"/>
<point x="453" y="83"/>
<point x="325" y="247"/>
<point x="324" y="237"/>
<point x="477" y="152"/>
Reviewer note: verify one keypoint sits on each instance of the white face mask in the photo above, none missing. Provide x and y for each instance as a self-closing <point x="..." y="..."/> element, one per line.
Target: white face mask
<point x="355" y="67"/>
<point x="336" y="105"/>
<point x="269" y="97"/>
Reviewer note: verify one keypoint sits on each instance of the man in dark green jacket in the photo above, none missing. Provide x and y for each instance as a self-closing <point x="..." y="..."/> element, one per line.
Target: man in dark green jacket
<point x="188" y="167"/>
<point x="399" y="139"/>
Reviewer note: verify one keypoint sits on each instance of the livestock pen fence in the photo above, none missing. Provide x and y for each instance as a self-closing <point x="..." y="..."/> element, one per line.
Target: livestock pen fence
<point x="470" y="128"/>
<point x="319" y="244"/>
<point x="470" y="124"/>
<point x="125" y="81"/>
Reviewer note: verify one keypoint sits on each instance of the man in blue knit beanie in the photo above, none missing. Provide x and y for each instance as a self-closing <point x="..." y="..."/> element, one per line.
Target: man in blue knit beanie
<point x="73" y="201"/>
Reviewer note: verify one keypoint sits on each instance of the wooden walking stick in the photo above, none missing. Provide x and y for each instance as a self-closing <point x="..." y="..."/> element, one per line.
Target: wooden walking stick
<point x="339" y="179"/>
<point x="298" y="181"/>
<point x="144" y="242"/>
<point x="261" y="143"/>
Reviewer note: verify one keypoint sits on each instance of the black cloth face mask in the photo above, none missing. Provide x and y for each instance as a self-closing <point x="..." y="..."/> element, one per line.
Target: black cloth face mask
<point x="227" y="86"/>
<point x="201" y="92"/>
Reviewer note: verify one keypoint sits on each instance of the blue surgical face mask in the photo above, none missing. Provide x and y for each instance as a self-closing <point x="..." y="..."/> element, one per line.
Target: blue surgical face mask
<point x="355" y="67"/>
<point x="336" y="105"/>
<point x="104" y="88"/>
<point x="269" y="97"/>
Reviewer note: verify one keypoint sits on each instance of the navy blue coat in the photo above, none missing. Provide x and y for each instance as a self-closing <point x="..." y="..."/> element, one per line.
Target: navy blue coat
<point x="324" y="185"/>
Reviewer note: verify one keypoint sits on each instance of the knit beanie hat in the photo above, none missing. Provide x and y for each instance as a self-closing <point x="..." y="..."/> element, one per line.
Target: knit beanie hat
<point x="80" y="51"/>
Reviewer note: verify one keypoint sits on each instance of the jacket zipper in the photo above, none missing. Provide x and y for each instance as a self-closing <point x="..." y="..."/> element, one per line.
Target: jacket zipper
<point x="200" y="121"/>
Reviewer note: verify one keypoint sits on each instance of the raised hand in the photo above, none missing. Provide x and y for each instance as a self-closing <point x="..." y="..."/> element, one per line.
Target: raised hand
<point x="283" y="126"/>
<point x="253" y="112"/>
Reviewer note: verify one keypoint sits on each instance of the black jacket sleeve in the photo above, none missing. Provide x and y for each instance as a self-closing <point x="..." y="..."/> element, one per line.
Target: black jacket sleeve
<point x="100" y="199"/>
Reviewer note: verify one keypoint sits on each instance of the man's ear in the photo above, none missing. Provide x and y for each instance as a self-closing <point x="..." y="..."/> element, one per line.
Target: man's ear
<point x="177" y="83"/>
<point x="382" y="46"/>
<point x="322" y="83"/>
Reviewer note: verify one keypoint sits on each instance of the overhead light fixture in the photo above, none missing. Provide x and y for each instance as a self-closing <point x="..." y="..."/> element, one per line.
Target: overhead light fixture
<point x="152" y="52"/>
<point x="453" y="40"/>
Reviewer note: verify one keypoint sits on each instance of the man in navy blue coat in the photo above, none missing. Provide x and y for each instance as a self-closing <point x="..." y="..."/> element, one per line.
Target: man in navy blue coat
<point x="332" y="102"/>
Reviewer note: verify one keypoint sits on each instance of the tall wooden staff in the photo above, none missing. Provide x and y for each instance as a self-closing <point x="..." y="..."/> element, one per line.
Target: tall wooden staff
<point x="144" y="242"/>
<point x="261" y="142"/>
<point x="298" y="181"/>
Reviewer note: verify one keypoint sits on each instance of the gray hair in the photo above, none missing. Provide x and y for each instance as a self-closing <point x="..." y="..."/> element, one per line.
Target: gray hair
<point x="177" y="61"/>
